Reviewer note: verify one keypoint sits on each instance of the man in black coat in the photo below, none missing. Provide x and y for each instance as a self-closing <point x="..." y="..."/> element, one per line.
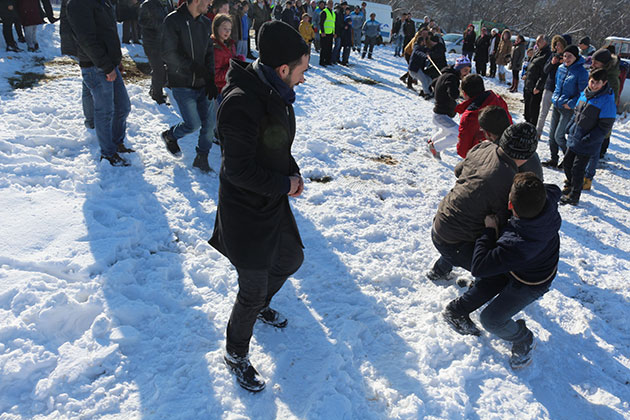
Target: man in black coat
<point x="481" y="52"/>
<point x="409" y="30"/>
<point x="535" y="79"/>
<point x="255" y="228"/>
<point x="188" y="51"/>
<point x="151" y="21"/>
<point x="93" y="24"/>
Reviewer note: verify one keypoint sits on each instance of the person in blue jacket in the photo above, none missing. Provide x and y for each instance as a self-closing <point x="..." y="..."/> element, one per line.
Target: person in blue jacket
<point x="593" y="119"/>
<point x="571" y="79"/>
<point x="515" y="269"/>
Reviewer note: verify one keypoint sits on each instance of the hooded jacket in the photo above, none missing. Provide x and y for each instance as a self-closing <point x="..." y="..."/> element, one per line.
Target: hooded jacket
<point x="446" y="92"/>
<point x="482" y="187"/>
<point x="504" y="49"/>
<point x="186" y="45"/>
<point x="570" y="81"/>
<point x="528" y="248"/>
<point x="256" y="127"/>
<point x="470" y="133"/>
<point x="593" y="119"/>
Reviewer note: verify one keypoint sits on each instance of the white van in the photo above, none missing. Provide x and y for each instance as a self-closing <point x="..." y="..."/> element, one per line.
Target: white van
<point x="384" y="16"/>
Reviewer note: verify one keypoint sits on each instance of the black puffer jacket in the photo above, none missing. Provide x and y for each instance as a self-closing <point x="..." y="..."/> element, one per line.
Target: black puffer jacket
<point x="151" y="21"/>
<point x="256" y="128"/>
<point x="186" y="45"/>
<point x="94" y="27"/>
<point x="446" y="92"/>
<point x="535" y="76"/>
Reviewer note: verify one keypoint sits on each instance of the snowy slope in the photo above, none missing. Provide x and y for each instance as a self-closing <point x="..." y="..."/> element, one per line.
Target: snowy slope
<point x="112" y="304"/>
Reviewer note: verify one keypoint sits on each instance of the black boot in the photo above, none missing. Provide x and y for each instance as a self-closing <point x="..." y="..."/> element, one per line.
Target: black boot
<point x="124" y="149"/>
<point x="246" y="375"/>
<point x="115" y="160"/>
<point x="201" y="162"/>
<point x="272" y="317"/>
<point x="551" y="163"/>
<point x="171" y="143"/>
<point x="522" y="350"/>
<point x="460" y="323"/>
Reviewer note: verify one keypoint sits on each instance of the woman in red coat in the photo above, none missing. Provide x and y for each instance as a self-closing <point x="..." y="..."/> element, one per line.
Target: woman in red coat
<point x="30" y="17"/>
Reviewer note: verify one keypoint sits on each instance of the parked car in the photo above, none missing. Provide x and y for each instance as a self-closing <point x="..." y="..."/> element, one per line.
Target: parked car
<point x="453" y="43"/>
<point x="624" y="97"/>
<point x="622" y="45"/>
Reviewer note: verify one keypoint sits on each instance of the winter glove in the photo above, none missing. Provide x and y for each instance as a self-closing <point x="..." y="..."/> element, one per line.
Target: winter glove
<point x="211" y="90"/>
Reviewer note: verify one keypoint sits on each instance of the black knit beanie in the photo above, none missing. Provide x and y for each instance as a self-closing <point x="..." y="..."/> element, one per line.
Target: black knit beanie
<point x="586" y="41"/>
<point x="519" y="141"/>
<point x="603" y="56"/>
<point x="573" y="49"/>
<point x="279" y="43"/>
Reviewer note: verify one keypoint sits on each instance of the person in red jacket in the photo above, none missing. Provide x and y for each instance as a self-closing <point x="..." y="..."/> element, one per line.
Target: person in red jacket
<point x="476" y="98"/>
<point x="224" y="48"/>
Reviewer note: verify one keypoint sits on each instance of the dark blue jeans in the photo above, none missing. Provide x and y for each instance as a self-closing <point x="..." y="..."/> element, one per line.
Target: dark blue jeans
<point x="508" y="297"/>
<point x="197" y="113"/>
<point x="336" y="52"/>
<point x="560" y="118"/>
<point x="111" y="108"/>
<point x="459" y="254"/>
<point x="87" y="102"/>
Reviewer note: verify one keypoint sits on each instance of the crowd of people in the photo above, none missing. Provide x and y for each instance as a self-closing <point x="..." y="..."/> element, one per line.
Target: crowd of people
<point x="500" y="221"/>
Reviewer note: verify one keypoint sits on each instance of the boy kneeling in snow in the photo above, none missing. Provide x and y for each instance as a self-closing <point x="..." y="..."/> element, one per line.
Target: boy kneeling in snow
<point x="446" y="88"/>
<point x="515" y="269"/>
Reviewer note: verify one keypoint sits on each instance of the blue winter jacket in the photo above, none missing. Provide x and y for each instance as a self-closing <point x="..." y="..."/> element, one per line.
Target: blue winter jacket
<point x="570" y="81"/>
<point x="418" y="59"/>
<point x="371" y="28"/>
<point x="530" y="248"/>
<point x="592" y="120"/>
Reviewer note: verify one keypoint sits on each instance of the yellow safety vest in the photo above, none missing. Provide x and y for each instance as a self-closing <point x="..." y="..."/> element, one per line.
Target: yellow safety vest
<point x="329" y="23"/>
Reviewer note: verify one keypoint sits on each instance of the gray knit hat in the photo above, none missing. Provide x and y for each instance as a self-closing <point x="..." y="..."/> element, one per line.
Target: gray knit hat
<point x="519" y="141"/>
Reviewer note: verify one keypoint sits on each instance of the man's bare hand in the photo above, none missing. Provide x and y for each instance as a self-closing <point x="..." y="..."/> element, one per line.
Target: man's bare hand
<point x="297" y="186"/>
<point x="111" y="76"/>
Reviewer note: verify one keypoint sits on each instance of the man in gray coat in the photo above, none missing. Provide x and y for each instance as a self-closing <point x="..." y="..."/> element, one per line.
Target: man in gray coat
<point x="483" y="185"/>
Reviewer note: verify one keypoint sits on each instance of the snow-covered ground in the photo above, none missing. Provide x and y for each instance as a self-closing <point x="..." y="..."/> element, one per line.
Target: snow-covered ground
<point x="113" y="305"/>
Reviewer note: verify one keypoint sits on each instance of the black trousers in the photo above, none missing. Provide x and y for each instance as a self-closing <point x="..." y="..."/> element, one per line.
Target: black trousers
<point x="256" y="288"/>
<point x="158" y="70"/>
<point x="574" y="166"/>
<point x="493" y="66"/>
<point x="532" y="106"/>
<point x="131" y="31"/>
<point x="7" y="29"/>
<point x="481" y="67"/>
<point x="326" y="53"/>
